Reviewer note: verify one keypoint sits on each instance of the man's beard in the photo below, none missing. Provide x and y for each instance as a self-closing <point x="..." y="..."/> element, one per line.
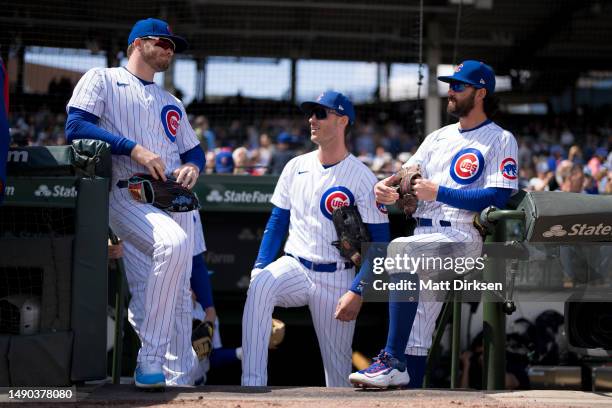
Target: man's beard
<point x="157" y="63"/>
<point x="461" y="109"/>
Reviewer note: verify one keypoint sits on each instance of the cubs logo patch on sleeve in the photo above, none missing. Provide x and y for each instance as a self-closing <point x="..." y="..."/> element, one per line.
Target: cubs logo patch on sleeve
<point x="382" y="208"/>
<point x="509" y="168"/>
<point x="335" y="197"/>
<point x="171" y="120"/>
<point x="467" y="166"/>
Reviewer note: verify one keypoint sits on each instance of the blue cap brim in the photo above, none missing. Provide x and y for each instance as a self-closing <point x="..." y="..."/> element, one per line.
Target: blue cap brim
<point x="449" y="79"/>
<point x="180" y="42"/>
<point x="308" y="106"/>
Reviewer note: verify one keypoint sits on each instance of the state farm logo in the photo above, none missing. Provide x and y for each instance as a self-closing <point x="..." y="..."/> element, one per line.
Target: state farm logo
<point x="56" y="191"/>
<point x="238" y="197"/>
<point x="214" y="196"/>
<point x="578" y="230"/>
<point x="555" y="231"/>
<point x="43" y="191"/>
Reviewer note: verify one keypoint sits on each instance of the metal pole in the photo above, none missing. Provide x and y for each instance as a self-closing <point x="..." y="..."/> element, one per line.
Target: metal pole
<point x="456" y="340"/>
<point x="434" y="350"/>
<point x="494" y="322"/>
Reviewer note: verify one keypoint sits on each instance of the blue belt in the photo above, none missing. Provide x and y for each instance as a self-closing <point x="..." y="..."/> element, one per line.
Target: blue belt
<point x="427" y="222"/>
<point x="320" y="267"/>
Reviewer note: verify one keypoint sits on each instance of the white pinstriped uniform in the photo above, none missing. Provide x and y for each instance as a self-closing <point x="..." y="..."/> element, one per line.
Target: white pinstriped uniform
<point x="480" y="158"/>
<point x="158" y="245"/>
<point x="199" y="244"/>
<point x="310" y="192"/>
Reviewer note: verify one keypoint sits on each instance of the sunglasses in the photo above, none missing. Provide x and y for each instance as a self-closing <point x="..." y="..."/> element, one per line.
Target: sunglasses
<point x="322" y="113"/>
<point x="161" y="42"/>
<point x="458" y="86"/>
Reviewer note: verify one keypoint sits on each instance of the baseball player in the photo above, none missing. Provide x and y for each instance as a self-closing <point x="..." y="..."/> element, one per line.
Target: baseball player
<point x="311" y="271"/>
<point x="466" y="167"/>
<point x="148" y="131"/>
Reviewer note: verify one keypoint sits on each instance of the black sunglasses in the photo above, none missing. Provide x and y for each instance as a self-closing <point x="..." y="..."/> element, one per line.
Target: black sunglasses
<point x="321" y="113"/>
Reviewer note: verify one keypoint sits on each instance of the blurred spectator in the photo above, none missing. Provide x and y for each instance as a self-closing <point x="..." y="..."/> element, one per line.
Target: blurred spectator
<point x="590" y="183"/>
<point x="210" y="162"/>
<point x="567" y="137"/>
<point x="543" y="176"/>
<point x="282" y="154"/>
<point x="570" y="177"/>
<point x="575" y="155"/>
<point x="556" y="155"/>
<point x="382" y="160"/>
<point x="597" y="160"/>
<point x="205" y="135"/>
<point x="224" y="162"/>
<point x="241" y="161"/>
<point x="263" y="154"/>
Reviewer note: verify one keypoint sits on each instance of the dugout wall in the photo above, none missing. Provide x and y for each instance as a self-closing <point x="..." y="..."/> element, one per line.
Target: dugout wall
<point x="53" y="277"/>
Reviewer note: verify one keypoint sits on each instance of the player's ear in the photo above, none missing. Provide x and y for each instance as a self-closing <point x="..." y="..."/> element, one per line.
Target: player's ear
<point x="344" y="120"/>
<point x="482" y="93"/>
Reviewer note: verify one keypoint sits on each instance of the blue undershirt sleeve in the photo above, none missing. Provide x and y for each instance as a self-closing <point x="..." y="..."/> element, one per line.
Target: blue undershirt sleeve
<point x="84" y="125"/>
<point x="380" y="234"/>
<point x="195" y="156"/>
<point x="476" y="199"/>
<point x="200" y="281"/>
<point x="274" y="234"/>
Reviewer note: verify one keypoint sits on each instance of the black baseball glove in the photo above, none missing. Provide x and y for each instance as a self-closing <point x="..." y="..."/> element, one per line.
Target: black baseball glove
<point x="167" y="195"/>
<point x="201" y="338"/>
<point x="351" y="233"/>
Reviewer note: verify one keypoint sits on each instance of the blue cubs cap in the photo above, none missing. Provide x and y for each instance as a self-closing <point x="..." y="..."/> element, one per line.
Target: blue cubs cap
<point x="224" y="162"/>
<point x="476" y="73"/>
<point x="284" y="138"/>
<point x="156" y="28"/>
<point x="332" y="100"/>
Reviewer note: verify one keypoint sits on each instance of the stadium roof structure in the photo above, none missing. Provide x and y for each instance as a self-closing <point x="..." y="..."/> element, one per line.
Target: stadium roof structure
<point x="571" y="35"/>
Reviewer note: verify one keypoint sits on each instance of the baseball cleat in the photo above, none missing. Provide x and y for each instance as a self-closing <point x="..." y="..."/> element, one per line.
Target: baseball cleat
<point x="385" y="372"/>
<point x="149" y="375"/>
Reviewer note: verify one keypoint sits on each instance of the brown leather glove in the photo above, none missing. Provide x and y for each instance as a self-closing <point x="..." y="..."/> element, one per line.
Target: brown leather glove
<point x="408" y="200"/>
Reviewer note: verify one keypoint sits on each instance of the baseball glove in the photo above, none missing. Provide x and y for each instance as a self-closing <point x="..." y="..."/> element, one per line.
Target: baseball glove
<point x="351" y="233"/>
<point x="278" y="334"/>
<point x="201" y="338"/>
<point x="408" y="200"/>
<point x="167" y="195"/>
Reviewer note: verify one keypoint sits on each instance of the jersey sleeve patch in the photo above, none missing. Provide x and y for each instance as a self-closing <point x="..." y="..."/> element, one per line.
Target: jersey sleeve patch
<point x="509" y="168"/>
<point x="382" y="208"/>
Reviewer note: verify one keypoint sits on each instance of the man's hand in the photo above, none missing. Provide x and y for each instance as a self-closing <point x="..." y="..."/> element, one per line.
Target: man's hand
<point x="426" y="190"/>
<point x="187" y="175"/>
<point x="385" y="192"/>
<point x="115" y="251"/>
<point x="348" y="307"/>
<point x="152" y="161"/>
<point x="211" y="314"/>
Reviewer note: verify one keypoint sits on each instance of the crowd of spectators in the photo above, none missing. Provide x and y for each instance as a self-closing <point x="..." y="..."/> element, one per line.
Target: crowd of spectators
<point x="551" y="157"/>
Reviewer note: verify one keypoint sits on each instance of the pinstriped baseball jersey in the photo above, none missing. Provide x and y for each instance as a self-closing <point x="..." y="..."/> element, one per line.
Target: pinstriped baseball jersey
<point x="311" y="192"/>
<point x="479" y="158"/>
<point x="146" y="114"/>
<point x="199" y="244"/>
<point x="159" y="245"/>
